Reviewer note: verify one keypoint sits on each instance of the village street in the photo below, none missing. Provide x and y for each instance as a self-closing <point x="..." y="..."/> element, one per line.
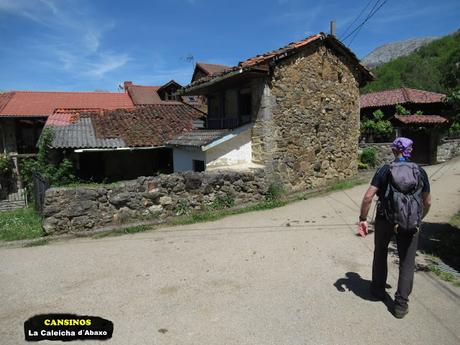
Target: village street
<point x="287" y="276"/>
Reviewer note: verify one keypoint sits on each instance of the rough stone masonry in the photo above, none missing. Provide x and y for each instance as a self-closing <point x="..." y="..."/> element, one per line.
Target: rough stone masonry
<point x="72" y="210"/>
<point x="307" y="128"/>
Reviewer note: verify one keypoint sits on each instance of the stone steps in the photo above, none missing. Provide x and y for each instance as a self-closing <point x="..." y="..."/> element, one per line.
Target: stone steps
<point x="7" y="205"/>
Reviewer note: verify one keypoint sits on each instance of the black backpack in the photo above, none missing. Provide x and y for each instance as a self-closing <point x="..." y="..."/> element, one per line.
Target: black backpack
<point x="403" y="197"/>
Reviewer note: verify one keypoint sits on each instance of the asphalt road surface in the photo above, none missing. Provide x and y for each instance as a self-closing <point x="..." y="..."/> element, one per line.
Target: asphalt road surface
<point x="292" y="275"/>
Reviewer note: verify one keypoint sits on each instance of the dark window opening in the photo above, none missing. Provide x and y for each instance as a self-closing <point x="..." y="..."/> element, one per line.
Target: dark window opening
<point x="198" y="165"/>
<point x="245" y="107"/>
<point x="245" y="103"/>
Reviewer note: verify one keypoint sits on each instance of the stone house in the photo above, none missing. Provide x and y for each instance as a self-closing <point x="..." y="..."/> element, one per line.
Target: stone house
<point x="293" y="111"/>
<point x="424" y="129"/>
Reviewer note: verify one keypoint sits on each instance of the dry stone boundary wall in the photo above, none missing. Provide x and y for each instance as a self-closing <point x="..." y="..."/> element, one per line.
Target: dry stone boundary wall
<point x="448" y="149"/>
<point x="76" y="210"/>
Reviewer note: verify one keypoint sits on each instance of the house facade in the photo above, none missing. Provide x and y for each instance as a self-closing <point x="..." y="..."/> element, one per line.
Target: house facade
<point x="297" y="107"/>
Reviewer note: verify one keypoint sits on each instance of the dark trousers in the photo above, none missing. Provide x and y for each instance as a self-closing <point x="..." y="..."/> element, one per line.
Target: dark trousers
<point x="407" y="247"/>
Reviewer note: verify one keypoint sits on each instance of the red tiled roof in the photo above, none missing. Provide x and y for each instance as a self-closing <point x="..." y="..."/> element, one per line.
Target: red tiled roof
<point x="142" y="126"/>
<point x="261" y="61"/>
<point x="67" y="116"/>
<point x="150" y="125"/>
<point x="210" y="68"/>
<point x="142" y="95"/>
<point x="37" y="103"/>
<point x="4" y="99"/>
<point x="399" y="96"/>
<point x="421" y="119"/>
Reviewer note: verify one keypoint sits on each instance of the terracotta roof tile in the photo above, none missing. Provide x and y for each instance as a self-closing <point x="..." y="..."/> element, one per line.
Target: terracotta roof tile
<point x="4" y="99"/>
<point x="143" y="126"/>
<point x="146" y="126"/>
<point x="142" y="95"/>
<point x="399" y="96"/>
<point x="421" y="119"/>
<point x="211" y="68"/>
<point x="271" y="56"/>
<point x="37" y="103"/>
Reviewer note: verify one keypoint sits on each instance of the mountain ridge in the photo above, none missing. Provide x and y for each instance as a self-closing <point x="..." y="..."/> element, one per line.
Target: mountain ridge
<point x="393" y="50"/>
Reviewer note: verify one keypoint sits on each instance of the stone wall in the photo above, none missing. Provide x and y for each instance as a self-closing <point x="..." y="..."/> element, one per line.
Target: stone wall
<point x="384" y="153"/>
<point x="312" y="113"/>
<point x="154" y="198"/>
<point x="447" y="149"/>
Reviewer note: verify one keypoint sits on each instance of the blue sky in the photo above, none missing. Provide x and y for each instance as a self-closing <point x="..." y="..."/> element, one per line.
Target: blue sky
<point x="83" y="45"/>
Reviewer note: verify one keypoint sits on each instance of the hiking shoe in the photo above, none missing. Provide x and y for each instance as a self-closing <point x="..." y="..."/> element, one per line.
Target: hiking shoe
<point x="400" y="311"/>
<point x="378" y="294"/>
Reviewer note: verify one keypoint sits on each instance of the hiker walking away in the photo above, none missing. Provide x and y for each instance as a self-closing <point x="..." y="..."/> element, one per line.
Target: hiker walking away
<point x="404" y="199"/>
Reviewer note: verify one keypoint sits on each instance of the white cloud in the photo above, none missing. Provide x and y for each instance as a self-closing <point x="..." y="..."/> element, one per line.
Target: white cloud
<point x="76" y="42"/>
<point x="107" y="62"/>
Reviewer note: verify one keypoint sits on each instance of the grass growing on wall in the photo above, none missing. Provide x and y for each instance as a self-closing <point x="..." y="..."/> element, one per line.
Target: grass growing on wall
<point x="20" y="225"/>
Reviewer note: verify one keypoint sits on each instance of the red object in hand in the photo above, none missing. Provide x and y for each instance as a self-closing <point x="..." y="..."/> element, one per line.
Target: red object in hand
<point x="363" y="229"/>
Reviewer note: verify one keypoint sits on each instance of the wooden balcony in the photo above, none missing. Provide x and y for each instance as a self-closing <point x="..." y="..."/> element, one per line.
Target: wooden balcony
<point x="227" y="123"/>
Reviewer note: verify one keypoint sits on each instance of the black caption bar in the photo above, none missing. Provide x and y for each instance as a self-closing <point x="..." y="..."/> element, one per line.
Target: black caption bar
<point x="67" y="327"/>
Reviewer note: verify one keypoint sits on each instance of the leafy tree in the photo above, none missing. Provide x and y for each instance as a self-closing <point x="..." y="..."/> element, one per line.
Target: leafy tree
<point x="433" y="67"/>
<point x="376" y="126"/>
<point x="453" y="101"/>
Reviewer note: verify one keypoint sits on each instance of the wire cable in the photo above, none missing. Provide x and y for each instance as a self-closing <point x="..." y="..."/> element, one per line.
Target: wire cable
<point x="377" y="6"/>
<point x="357" y="17"/>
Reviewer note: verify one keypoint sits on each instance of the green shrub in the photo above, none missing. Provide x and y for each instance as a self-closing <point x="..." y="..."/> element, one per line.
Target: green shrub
<point x="57" y="174"/>
<point x="6" y="166"/>
<point x="183" y="208"/>
<point x="362" y="166"/>
<point x="223" y="201"/>
<point x="274" y="191"/>
<point x="369" y="156"/>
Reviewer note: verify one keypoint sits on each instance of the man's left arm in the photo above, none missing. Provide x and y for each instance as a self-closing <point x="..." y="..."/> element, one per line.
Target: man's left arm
<point x="367" y="201"/>
<point x="426" y="196"/>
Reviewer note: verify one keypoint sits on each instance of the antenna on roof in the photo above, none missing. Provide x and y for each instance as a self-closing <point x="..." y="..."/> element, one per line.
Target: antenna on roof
<point x="332" y="27"/>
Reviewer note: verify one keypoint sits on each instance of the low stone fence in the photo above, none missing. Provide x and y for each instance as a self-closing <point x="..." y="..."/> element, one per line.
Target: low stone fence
<point x="384" y="153"/>
<point x="73" y="210"/>
<point x="447" y="149"/>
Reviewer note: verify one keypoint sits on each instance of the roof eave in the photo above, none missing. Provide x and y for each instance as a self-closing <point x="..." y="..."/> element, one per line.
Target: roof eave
<point x="365" y="73"/>
<point x="202" y="88"/>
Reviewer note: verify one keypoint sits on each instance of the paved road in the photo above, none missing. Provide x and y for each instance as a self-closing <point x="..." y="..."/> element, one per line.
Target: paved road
<point x="293" y="275"/>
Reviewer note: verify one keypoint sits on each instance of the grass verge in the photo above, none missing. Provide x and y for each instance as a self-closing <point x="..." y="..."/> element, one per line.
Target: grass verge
<point x="20" y="225"/>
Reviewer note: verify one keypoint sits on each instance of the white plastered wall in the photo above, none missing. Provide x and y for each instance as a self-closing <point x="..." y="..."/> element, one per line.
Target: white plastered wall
<point x="183" y="158"/>
<point x="235" y="151"/>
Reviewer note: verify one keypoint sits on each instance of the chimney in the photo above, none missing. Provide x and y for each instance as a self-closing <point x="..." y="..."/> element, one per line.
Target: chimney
<point x="333" y="28"/>
<point x="127" y="84"/>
